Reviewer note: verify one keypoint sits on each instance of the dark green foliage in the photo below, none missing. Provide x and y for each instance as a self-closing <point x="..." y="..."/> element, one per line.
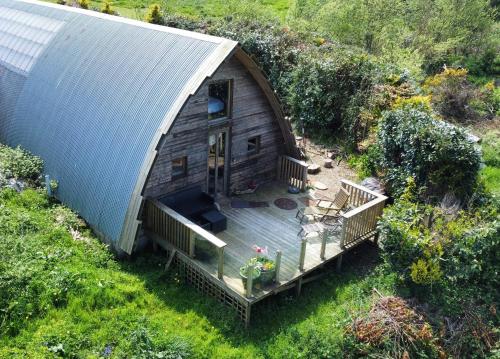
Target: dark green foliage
<point x="275" y="48"/>
<point x="430" y="249"/>
<point x="437" y="155"/>
<point x="19" y="163"/>
<point x="142" y="345"/>
<point x="329" y="90"/>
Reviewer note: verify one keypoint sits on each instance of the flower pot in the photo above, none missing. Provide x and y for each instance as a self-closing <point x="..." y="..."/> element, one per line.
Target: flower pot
<point x="256" y="276"/>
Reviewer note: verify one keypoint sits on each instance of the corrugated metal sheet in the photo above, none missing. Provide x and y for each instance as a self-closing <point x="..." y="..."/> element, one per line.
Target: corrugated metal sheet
<point x="91" y="94"/>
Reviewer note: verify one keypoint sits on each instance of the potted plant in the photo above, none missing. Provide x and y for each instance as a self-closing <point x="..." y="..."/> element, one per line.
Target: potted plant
<point x="256" y="272"/>
<point x="265" y="264"/>
<point x="267" y="270"/>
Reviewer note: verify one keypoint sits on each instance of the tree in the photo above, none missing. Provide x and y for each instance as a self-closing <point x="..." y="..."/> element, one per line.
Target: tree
<point x="154" y="15"/>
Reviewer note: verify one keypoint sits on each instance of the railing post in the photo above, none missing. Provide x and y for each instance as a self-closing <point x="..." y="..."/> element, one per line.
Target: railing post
<point x="277" y="267"/>
<point x="192" y="242"/>
<point x="280" y="159"/>
<point x="304" y="178"/>
<point x="324" y="237"/>
<point x="250" y="269"/>
<point x="302" y="254"/>
<point x="343" y="233"/>
<point x="220" y="269"/>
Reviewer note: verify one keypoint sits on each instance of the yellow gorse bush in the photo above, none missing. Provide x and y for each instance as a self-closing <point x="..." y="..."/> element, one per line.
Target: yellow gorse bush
<point x="448" y="73"/>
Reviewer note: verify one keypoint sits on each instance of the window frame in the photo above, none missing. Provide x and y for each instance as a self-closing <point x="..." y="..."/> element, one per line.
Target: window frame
<point x="229" y="106"/>
<point x="256" y="149"/>
<point x="184" y="161"/>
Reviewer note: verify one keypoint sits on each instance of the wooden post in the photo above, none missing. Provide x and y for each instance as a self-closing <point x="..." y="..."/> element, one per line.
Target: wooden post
<point x="250" y="269"/>
<point x="280" y="159"/>
<point x="277" y="264"/>
<point x="324" y="237"/>
<point x="304" y="178"/>
<point x="339" y="263"/>
<point x="298" y="287"/>
<point x="248" y="312"/>
<point x="302" y="254"/>
<point x="192" y="242"/>
<point x="343" y="232"/>
<point x="220" y="269"/>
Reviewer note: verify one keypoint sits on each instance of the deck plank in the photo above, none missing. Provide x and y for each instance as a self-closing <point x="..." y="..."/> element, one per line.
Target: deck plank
<point x="269" y="227"/>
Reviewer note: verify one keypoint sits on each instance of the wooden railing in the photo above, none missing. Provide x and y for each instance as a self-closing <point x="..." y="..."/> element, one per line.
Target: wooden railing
<point x="180" y="231"/>
<point x="292" y="172"/>
<point x="360" y="222"/>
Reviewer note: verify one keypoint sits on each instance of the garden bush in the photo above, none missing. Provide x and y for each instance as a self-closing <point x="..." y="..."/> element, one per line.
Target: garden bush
<point x="437" y="155"/>
<point x="274" y="48"/>
<point x="154" y="15"/>
<point x="329" y="90"/>
<point x="19" y="163"/>
<point x="458" y="99"/>
<point x="430" y="248"/>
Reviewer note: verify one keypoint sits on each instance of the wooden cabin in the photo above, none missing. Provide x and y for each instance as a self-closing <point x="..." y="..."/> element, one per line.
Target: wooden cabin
<point x="154" y="133"/>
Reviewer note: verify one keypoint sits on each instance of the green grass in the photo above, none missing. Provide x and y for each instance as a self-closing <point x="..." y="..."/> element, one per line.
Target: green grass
<point x="136" y="9"/>
<point x="61" y="296"/>
<point x="491" y="156"/>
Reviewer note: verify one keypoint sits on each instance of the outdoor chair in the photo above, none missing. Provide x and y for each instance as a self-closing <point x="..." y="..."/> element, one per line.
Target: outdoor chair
<point x="320" y="227"/>
<point x="325" y="210"/>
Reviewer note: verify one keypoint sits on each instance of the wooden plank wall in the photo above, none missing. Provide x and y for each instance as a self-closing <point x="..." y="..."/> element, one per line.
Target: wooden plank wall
<point x="251" y="116"/>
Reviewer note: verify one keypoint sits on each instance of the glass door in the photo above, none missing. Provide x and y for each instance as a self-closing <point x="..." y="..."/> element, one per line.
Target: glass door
<point x="217" y="179"/>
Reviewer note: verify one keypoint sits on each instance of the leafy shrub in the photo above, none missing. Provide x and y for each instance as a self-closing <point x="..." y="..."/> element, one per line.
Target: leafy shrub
<point x="19" y="163"/>
<point x="274" y="48"/>
<point x="487" y="102"/>
<point x="456" y="98"/>
<point x="107" y="9"/>
<point x="421" y="103"/>
<point x="437" y="155"/>
<point x="154" y="15"/>
<point x="143" y="346"/>
<point x="431" y="249"/>
<point x="84" y="4"/>
<point x="328" y="91"/>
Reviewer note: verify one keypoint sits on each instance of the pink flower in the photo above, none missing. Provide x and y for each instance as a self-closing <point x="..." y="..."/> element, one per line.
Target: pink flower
<point x="260" y="250"/>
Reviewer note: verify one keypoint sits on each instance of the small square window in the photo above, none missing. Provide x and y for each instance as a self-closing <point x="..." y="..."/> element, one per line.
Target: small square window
<point x="179" y="167"/>
<point x="219" y="100"/>
<point x="253" y="145"/>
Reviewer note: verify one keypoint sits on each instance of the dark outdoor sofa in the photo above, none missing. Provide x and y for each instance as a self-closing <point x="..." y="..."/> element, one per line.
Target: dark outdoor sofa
<point x="194" y="204"/>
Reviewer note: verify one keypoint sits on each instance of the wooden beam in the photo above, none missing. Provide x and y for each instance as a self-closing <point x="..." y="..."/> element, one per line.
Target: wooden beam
<point x="192" y="243"/>
<point x="248" y="313"/>
<point x="249" y="286"/>
<point x="277" y="267"/>
<point x="298" y="288"/>
<point x="170" y="259"/>
<point x="339" y="263"/>
<point x="220" y="266"/>
<point x="302" y="258"/>
<point x="324" y="237"/>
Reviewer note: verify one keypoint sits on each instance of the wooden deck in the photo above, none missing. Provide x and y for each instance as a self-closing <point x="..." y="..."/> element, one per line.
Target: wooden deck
<point x="269" y="227"/>
<point x="215" y="270"/>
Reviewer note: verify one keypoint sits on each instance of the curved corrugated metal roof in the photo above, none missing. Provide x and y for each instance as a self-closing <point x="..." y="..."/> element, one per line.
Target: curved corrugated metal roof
<point x="92" y="95"/>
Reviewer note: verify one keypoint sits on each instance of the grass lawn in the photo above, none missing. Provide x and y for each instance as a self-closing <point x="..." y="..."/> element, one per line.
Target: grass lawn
<point x="136" y="9"/>
<point x="63" y="294"/>
<point x="490" y="146"/>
